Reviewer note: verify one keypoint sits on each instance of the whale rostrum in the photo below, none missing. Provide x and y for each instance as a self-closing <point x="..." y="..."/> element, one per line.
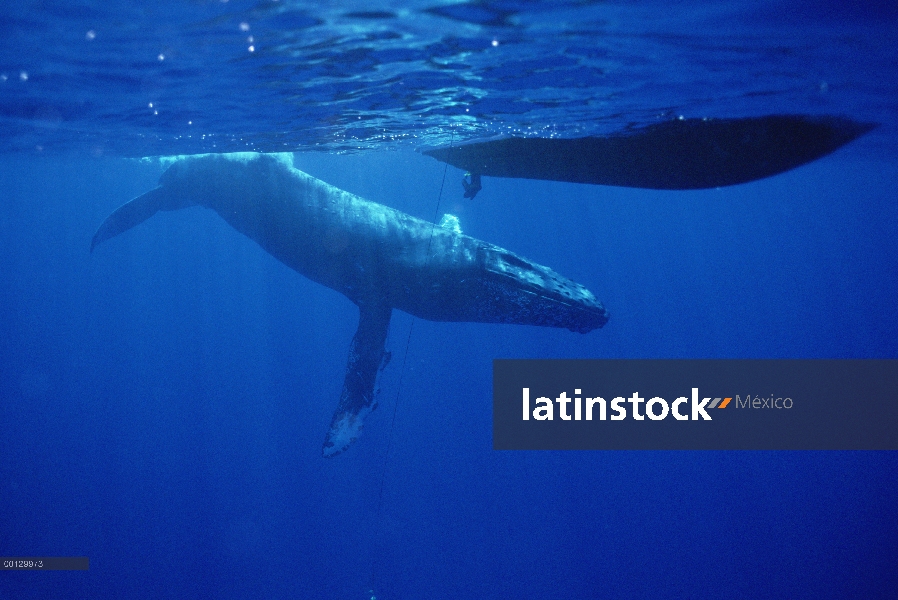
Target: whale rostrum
<point x="378" y="257"/>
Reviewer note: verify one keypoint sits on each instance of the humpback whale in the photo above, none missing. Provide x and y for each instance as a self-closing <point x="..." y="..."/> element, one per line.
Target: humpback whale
<point x="380" y="258"/>
<point x="683" y="154"/>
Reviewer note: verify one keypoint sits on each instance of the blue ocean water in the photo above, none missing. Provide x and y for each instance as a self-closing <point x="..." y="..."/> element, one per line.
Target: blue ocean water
<point x="163" y="400"/>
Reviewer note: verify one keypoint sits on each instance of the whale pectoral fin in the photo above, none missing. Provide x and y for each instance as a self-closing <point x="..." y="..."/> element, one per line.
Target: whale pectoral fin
<point x="130" y="214"/>
<point x="366" y="353"/>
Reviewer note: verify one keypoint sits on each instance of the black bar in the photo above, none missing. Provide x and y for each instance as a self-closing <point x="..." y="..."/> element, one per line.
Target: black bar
<point x="44" y="563"/>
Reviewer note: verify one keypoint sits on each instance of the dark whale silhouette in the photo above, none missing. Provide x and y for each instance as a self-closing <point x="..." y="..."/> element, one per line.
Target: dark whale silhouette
<point x="378" y="257"/>
<point x="683" y="154"/>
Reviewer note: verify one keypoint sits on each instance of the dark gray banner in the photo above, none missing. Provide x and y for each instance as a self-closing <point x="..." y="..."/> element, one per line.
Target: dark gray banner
<point x="695" y="404"/>
<point x="44" y="563"/>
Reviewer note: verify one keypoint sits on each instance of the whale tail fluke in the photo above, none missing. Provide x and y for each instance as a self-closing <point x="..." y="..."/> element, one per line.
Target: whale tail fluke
<point x="366" y="354"/>
<point x="129" y="214"/>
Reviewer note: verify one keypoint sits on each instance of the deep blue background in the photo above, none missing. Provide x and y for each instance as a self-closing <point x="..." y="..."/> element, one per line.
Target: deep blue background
<point x="164" y="400"/>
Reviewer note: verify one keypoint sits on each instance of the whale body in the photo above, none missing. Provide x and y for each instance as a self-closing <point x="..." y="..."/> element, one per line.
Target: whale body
<point x="378" y="257"/>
